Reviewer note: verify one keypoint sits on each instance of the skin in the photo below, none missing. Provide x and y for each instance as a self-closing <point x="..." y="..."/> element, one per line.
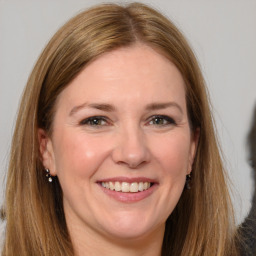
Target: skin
<point x="130" y="142"/>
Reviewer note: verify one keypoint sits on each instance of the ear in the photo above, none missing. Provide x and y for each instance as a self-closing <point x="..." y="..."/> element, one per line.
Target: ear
<point x="46" y="151"/>
<point x="195" y="135"/>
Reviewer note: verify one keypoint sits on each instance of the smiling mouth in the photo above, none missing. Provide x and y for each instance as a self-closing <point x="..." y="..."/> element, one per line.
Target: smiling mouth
<point x="126" y="187"/>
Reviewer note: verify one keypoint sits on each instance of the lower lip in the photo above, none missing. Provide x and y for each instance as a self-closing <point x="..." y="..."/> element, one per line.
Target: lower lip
<point x="129" y="197"/>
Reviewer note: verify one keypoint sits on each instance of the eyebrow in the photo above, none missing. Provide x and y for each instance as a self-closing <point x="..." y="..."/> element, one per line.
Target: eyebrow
<point x="110" y="108"/>
<point x="160" y="105"/>
<point x="99" y="106"/>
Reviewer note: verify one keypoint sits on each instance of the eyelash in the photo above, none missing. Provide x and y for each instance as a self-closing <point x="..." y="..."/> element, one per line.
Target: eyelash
<point x="161" y="120"/>
<point x="92" y="121"/>
<point x="166" y="119"/>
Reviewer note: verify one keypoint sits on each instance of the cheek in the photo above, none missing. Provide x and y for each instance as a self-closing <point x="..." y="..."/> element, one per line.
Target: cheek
<point x="78" y="155"/>
<point x="173" y="154"/>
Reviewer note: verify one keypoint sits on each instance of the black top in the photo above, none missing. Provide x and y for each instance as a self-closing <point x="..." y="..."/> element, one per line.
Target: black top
<point x="247" y="230"/>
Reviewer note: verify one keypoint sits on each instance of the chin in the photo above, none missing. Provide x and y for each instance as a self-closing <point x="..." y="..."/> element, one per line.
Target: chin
<point x="130" y="233"/>
<point x="132" y="227"/>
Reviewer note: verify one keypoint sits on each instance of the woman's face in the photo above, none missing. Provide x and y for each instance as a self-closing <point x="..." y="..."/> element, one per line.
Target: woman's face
<point x="121" y="144"/>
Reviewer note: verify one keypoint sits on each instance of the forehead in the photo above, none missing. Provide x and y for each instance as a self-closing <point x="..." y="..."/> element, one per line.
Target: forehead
<point x="137" y="72"/>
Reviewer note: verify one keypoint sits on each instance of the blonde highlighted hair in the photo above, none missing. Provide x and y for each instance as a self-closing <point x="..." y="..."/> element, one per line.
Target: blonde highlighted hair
<point x="202" y="222"/>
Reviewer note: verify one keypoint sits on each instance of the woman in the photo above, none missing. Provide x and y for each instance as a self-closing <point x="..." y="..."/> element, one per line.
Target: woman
<point x="114" y="151"/>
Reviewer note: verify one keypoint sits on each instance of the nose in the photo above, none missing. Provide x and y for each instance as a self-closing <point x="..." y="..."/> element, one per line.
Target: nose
<point x="131" y="149"/>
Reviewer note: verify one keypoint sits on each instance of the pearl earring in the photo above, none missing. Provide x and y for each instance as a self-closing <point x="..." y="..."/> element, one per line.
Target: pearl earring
<point x="48" y="175"/>
<point x="188" y="180"/>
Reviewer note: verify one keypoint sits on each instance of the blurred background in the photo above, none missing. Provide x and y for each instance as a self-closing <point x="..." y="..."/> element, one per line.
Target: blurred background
<point x="222" y="34"/>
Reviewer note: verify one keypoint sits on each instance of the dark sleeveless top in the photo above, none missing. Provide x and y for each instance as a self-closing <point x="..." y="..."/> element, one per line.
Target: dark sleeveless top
<point x="247" y="230"/>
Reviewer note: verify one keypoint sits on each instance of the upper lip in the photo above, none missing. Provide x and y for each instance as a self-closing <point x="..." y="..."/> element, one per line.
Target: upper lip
<point x="128" y="179"/>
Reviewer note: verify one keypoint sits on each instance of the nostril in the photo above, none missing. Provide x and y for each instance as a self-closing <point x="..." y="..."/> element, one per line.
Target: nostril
<point x="136" y="165"/>
<point x="131" y="151"/>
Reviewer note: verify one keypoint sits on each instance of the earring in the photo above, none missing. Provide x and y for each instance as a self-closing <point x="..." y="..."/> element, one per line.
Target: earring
<point x="48" y="175"/>
<point x="188" y="180"/>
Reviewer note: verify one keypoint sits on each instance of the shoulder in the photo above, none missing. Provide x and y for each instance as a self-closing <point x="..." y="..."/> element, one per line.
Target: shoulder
<point x="247" y="231"/>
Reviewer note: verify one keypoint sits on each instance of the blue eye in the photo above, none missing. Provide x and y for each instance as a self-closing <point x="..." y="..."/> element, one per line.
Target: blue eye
<point x="161" y="120"/>
<point x="94" y="121"/>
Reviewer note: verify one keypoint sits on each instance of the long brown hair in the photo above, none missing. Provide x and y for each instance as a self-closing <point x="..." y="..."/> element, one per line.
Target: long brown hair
<point x="202" y="222"/>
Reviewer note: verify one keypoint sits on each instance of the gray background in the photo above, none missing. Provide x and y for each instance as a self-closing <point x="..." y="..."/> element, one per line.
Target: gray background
<point x="222" y="34"/>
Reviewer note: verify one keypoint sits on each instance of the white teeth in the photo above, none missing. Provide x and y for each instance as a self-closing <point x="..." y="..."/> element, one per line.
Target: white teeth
<point x="117" y="186"/>
<point x="134" y="187"/>
<point x="125" y="187"/>
<point x="111" y="185"/>
<point x="141" y="186"/>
